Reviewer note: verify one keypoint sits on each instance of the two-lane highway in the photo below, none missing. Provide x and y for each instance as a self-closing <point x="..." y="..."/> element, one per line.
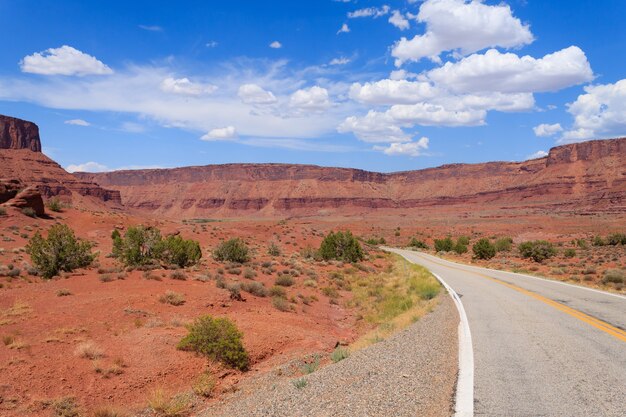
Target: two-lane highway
<point x="541" y="348"/>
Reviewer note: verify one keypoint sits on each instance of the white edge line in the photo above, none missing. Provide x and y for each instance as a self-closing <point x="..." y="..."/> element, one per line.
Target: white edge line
<point x="464" y="401"/>
<point x="464" y="398"/>
<point x="552" y="281"/>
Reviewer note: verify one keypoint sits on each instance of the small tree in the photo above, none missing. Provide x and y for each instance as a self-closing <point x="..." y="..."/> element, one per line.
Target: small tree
<point x="484" y="249"/>
<point x="218" y="339"/>
<point x="342" y="246"/>
<point x="444" y="245"/>
<point x="141" y="245"/>
<point x="175" y="250"/>
<point x="416" y="243"/>
<point x="537" y="250"/>
<point x="463" y="240"/>
<point x="232" y="250"/>
<point x="60" y="251"/>
<point x="460" y="248"/>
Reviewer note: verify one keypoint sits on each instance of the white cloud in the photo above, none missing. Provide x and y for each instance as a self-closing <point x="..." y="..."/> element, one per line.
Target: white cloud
<point x="399" y="21"/>
<point x="599" y="113"/>
<point x="375" y="127"/>
<point x="77" y="122"/>
<point x="87" y="167"/>
<point x="133" y="127"/>
<point x="276" y="45"/>
<point x="545" y="130"/>
<point x="63" y="61"/>
<point x="402" y="74"/>
<point x="462" y="27"/>
<point x="339" y="61"/>
<point x="151" y="28"/>
<point x="223" y="133"/>
<point x="427" y="114"/>
<point x="211" y="44"/>
<point x="374" y="12"/>
<point x="538" y="154"/>
<point x="254" y="94"/>
<point x="185" y="87"/>
<point x="343" y="29"/>
<point x="393" y="92"/>
<point x="407" y="148"/>
<point x="509" y="73"/>
<point x="314" y="99"/>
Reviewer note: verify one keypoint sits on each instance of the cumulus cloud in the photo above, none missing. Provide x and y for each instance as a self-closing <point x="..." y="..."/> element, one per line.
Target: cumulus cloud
<point x="545" y="130"/>
<point x="462" y="27"/>
<point x="63" y="61"/>
<point x="398" y="20"/>
<point x="599" y="113"/>
<point x="508" y="72"/>
<point x="407" y="148"/>
<point x="185" y="87"/>
<point x="77" y="122"/>
<point x="87" y="167"/>
<point x="428" y="114"/>
<point x="276" y="45"/>
<point x="375" y="127"/>
<point x="343" y="29"/>
<point x="374" y="12"/>
<point x="538" y="154"/>
<point x="222" y="133"/>
<point x="255" y="94"/>
<point x="313" y="99"/>
<point x="390" y="92"/>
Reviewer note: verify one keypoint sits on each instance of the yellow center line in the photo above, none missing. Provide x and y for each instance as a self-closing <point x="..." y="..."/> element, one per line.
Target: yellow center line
<point x="592" y="321"/>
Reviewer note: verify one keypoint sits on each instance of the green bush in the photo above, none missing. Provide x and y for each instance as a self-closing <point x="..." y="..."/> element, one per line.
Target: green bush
<point x="60" y="251"/>
<point x="616" y="239"/>
<point x="27" y="211"/>
<point x="342" y="246"/>
<point x="273" y="250"/>
<point x="463" y="240"/>
<point x="218" y="339"/>
<point x="569" y="253"/>
<point x="55" y="205"/>
<point x="504" y="244"/>
<point x="484" y="249"/>
<point x="339" y="354"/>
<point x="444" y="245"/>
<point x="598" y="241"/>
<point x="418" y="244"/>
<point x="460" y="248"/>
<point x="232" y="250"/>
<point x="376" y="241"/>
<point x="537" y="250"/>
<point x="175" y="250"/>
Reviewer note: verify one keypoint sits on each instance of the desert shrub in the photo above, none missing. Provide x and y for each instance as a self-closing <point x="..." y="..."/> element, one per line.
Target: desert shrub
<point x="374" y="241"/>
<point x="255" y="288"/>
<point x="232" y="250"/>
<point x="169" y="406"/>
<point x="277" y="291"/>
<point x="309" y="253"/>
<point x="178" y="275"/>
<point x="280" y="303"/>
<point x="460" y="248"/>
<point x="569" y="253"/>
<point x="537" y="250"/>
<point x="341" y="246"/>
<point x="63" y="292"/>
<point x="139" y="246"/>
<point x="174" y="250"/>
<point x="503" y="244"/>
<point x="88" y="350"/>
<point x="172" y="298"/>
<point x="339" y="354"/>
<point x="55" y="205"/>
<point x="463" y="240"/>
<point x="598" y="241"/>
<point x="616" y="239"/>
<point x="615" y="276"/>
<point x="28" y="211"/>
<point x="66" y="407"/>
<point x="60" y="251"/>
<point x="484" y="249"/>
<point x="285" y="280"/>
<point x="218" y="339"/>
<point x="418" y="244"/>
<point x="249" y="273"/>
<point x="273" y="249"/>
<point x="204" y="385"/>
<point x="444" y="245"/>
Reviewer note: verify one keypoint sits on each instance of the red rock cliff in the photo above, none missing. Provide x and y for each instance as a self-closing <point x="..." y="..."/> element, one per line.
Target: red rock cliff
<point x="19" y="134"/>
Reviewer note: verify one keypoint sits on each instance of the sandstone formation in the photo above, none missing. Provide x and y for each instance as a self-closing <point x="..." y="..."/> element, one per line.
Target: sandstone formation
<point x="29" y="197"/>
<point x="19" y="134"/>
<point x="583" y="177"/>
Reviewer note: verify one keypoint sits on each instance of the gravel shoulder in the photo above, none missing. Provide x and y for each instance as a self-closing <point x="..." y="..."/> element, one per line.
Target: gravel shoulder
<point x="412" y="373"/>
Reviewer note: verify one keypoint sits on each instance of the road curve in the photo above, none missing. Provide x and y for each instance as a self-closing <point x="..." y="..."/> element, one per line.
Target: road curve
<point x="541" y="348"/>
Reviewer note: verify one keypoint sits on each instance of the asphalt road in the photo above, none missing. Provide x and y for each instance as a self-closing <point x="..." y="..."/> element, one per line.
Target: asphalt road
<point x="541" y="348"/>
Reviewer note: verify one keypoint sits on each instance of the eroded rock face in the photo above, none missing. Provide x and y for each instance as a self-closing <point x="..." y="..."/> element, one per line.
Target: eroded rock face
<point x="29" y="197"/>
<point x="19" y="134"/>
<point x="9" y="189"/>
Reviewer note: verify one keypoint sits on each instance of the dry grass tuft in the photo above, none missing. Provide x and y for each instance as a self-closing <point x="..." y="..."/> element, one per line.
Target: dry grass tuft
<point x="89" y="350"/>
<point x="173" y="298"/>
<point x="169" y="406"/>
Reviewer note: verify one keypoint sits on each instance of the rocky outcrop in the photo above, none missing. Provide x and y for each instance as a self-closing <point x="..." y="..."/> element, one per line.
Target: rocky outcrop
<point x="9" y="189"/>
<point x="19" y="134"/>
<point x="587" y="177"/>
<point x="29" y="197"/>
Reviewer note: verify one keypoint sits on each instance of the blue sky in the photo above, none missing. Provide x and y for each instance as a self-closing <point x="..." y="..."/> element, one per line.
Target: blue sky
<point x="383" y="86"/>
